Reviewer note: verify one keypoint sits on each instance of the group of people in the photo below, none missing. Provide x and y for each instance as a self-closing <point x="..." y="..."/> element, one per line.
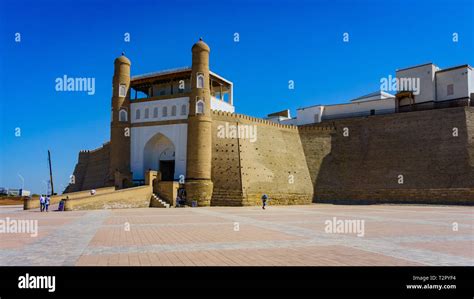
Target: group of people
<point x="44" y="203"/>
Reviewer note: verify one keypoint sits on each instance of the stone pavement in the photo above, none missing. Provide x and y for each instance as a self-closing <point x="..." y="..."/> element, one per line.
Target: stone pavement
<point x="392" y="235"/>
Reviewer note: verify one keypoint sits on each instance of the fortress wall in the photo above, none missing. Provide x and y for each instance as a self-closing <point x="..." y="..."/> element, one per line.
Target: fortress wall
<point x="91" y="170"/>
<point x="365" y="166"/>
<point x="225" y="172"/>
<point x="316" y="141"/>
<point x="79" y="173"/>
<point x="273" y="164"/>
<point x="33" y="203"/>
<point x="136" y="197"/>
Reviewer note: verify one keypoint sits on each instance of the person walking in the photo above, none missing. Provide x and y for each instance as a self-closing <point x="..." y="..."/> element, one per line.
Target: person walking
<point x="41" y="203"/>
<point x="46" y="203"/>
<point x="264" y="200"/>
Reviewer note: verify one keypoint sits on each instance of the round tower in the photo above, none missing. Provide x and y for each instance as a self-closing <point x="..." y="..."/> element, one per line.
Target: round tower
<point x="198" y="163"/>
<point x="119" y="171"/>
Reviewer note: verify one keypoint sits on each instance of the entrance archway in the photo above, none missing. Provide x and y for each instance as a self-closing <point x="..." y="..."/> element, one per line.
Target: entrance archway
<point x="159" y="154"/>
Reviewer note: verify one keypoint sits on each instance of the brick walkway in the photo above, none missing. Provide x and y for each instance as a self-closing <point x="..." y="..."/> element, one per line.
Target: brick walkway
<point x="281" y="235"/>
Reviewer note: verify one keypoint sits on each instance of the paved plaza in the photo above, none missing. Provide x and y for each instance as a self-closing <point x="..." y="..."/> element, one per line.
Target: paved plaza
<point x="393" y="235"/>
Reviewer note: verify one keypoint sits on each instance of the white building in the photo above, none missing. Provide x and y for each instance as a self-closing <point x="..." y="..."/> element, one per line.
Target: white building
<point x="374" y="103"/>
<point x="456" y="83"/>
<point x="436" y="87"/>
<point x="419" y="87"/>
<point x="420" y="80"/>
<point x="282" y="117"/>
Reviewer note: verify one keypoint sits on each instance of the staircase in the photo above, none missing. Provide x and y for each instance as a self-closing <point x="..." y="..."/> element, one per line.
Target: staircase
<point x="157" y="202"/>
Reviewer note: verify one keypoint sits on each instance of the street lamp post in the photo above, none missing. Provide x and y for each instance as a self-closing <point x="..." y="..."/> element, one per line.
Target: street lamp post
<point x="22" y="181"/>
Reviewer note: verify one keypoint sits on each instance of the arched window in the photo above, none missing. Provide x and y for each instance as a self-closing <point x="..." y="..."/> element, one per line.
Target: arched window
<point x="164" y="111"/>
<point x="147" y="113"/>
<point x="173" y="110"/>
<point x="183" y="110"/>
<point x="200" y="107"/>
<point x="200" y="80"/>
<point x="137" y="114"/>
<point x="123" y="115"/>
<point x="155" y="112"/>
<point x="122" y="90"/>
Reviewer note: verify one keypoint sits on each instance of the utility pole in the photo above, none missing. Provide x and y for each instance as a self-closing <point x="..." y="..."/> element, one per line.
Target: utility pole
<point x="50" y="173"/>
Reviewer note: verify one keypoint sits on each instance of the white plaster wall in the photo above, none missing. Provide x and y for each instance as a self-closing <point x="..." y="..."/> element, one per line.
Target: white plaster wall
<point x="309" y="115"/>
<point x="178" y="102"/>
<point x="289" y="121"/>
<point x="470" y="81"/>
<point x="360" y="107"/>
<point x="426" y="74"/>
<point x="379" y="96"/>
<point x="177" y="133"/>
<point x="221" y="105"/>
<point x="460" y="80"/>
<point x="315" y="114"/>
<point x="282" y="120"/>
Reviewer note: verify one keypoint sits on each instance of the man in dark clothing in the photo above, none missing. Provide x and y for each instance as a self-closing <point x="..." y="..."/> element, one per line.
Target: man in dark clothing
<point x="264" y="201"/>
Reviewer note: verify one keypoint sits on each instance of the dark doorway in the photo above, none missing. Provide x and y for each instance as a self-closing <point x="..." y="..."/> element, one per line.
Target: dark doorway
<point x="167" y="170"/>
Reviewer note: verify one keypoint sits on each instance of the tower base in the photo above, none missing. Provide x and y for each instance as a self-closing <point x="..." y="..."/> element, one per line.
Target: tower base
<point x="199" y="191"/>
<point x="122" y="180"/>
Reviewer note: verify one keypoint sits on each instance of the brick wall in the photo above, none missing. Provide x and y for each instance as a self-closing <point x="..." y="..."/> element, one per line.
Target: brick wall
<point x="226" y="162"/>
<point x="91" y="170"/>
<point x="417" y="147"/>
<point x="274" y="164"/>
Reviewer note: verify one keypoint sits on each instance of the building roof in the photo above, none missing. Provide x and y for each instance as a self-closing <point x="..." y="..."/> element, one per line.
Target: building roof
<point x="283" y="113"/>
<point x="455" y="67"/>
<point x="415" y="66"/>
<point x="439" y="69"/>
<point x="380" y="93"/>
<point x="307" y="107"/>
<point x="386" y="96"/>
<point x="174" y="71"/>
<point x="122" y="59"/>
<point x="201" y="45"/>
<point x="161" y="73"/>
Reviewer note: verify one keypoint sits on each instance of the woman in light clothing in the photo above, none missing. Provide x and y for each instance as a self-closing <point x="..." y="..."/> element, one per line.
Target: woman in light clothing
<point x="41" y="203"/>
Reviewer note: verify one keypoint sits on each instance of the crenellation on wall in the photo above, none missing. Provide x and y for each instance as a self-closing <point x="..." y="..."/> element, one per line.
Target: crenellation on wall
<point x="222" y="115"/>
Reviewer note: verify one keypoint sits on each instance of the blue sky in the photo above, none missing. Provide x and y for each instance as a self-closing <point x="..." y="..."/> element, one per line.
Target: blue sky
<point x="279" y="41"/>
